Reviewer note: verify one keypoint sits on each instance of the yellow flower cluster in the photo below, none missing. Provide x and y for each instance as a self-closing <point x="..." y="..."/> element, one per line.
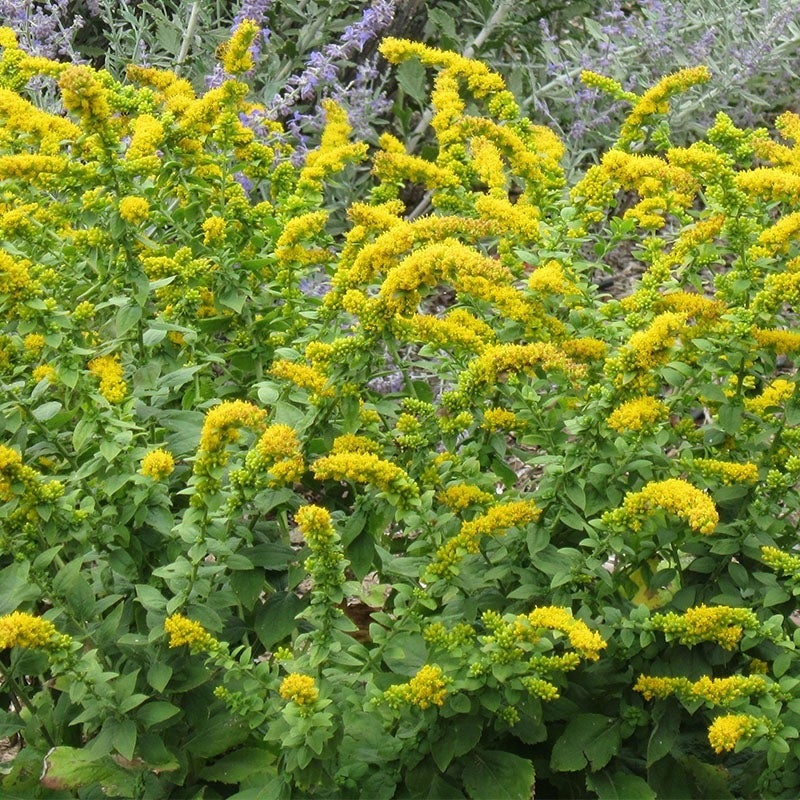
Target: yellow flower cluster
<point x="585" y="348"/>
<point x="158" y="464"/>
<point x="637" y="414"/>
<point x="480" y="80"/>
<point x="729" y="472"/>
<point x="44" y="372"/>
<point x="427" y="688"/>
<point x="496" y="361"/>
<point x="235" y="54"/>
<point x="213" y="228"/>
<point x="770" y="183"/>
<point x="20" y="629"/>
<point x="278" y="451"/>
<point x="147" y="133"/>
<point x="773" y="397"/>
<point x="462" y="495"/>
<point x="83" y="94"/>
<point x="289" y="249"/>
<point x="673" y="495"/>
<point x="656" y="101"/>
<point x="222" y="422"/>
<point x="586" y="642"/>
<point x="496" y="520"/>
<point x="550" y="278"/>
<point x="14" y="474"/>
<point x="780" y="561"/>
<point x="499" y="419"/>
<point x="304" y="376"/>
<point x="334" y="150"/>
<point x="352" y="443"/>
<point x="185" y="631"/>
<point x="726" y="730"/>
<point x="717" y="691"/>
<point x="365" y="468"/>
<point x="781" y="342"/>
<point x="109" y="370"/>
<point x="299" y="689"/>
<point x="721" y="624"/>
<point x="134" y="209"/>
<point x="315" y="524"/>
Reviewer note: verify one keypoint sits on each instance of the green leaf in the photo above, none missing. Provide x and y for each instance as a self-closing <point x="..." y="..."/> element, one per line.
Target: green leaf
<point x="47" y="410"/>
<point x="219" y="734"/>
<point x="156" y="711"/>
<point x="70" y="768"/>
<point x="275" y="620"/>
<point x="411" y="79"/>
<point x="124" y="738"/>
<point x="588" y="738"/>
<point x="665" y="731"/>
<point x="15" y="587"/>
<point x="619" y="786"/>
<point x="241" y="764"/>
<point x="500" y="775"/>
<point x="158" y="675"/>
<point x="75" y="589"/>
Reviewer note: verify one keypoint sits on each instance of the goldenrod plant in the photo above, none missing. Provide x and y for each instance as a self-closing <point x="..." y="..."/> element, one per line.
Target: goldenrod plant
<point x="409" y="504"/>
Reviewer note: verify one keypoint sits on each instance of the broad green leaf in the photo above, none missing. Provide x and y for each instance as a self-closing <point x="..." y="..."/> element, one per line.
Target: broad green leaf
<point x="499" y="775"/>
<point x="241" y="764"/>
<point x="619" y="785"/>
<point x="591" y="739"/>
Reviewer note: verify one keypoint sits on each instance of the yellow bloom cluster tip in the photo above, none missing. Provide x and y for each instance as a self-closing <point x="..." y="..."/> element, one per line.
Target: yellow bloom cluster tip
<point x="20" y="629"/>
<point x="158" y="464"/>
<point x="726" y="731"/>
<point x="673" y="495"/>
<point x="109" y="370"/>
<point x="637" y="414"/>
<point x="300" y="689"/>
<point x="721" y="624"/>
<point x="184" y="631"/>
<point x="427" y="688"/>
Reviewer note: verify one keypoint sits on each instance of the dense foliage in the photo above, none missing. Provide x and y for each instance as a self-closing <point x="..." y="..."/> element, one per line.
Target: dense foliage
<point x="393" y="504"/>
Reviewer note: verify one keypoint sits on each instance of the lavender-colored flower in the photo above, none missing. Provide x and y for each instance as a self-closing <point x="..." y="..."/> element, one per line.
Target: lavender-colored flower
<point x="322" y="67"/>
<point x="44" y="30"/>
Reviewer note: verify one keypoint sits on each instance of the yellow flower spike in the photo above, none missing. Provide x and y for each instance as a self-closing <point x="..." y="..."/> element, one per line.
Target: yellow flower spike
<point x="656" y="101"/>
<point x="299" y="689"/>
<point x="184" y="631"/>
<point x="637" y="414"/>
<point x="235" y="54"/>
<point x="20" y="629"/>
<point x="497" y="361"/>
<point x="158" y="464"/>
<point x="109" y="370"/>
<point x="334" y="151"/>
<point x="773" y="397"/>
<point x="729" y="472"/>
<point x="462" y="495"/>
<point x="304" y="376"/>
<point x="495" y="521"/>
<point x="134" y="209"/>
<point x="675" y="496"/>
<point x="715" y="691"/>
<point x="723" y="625"/>
<point x="480" y="80"/>
<point x="83" y="94"/>
<point x="223" y="421"/>
<point x="365" y="468"/>
<point x="727" y="730"/>
<point x="427" y="688"/>
<point x="278" y="452"/>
